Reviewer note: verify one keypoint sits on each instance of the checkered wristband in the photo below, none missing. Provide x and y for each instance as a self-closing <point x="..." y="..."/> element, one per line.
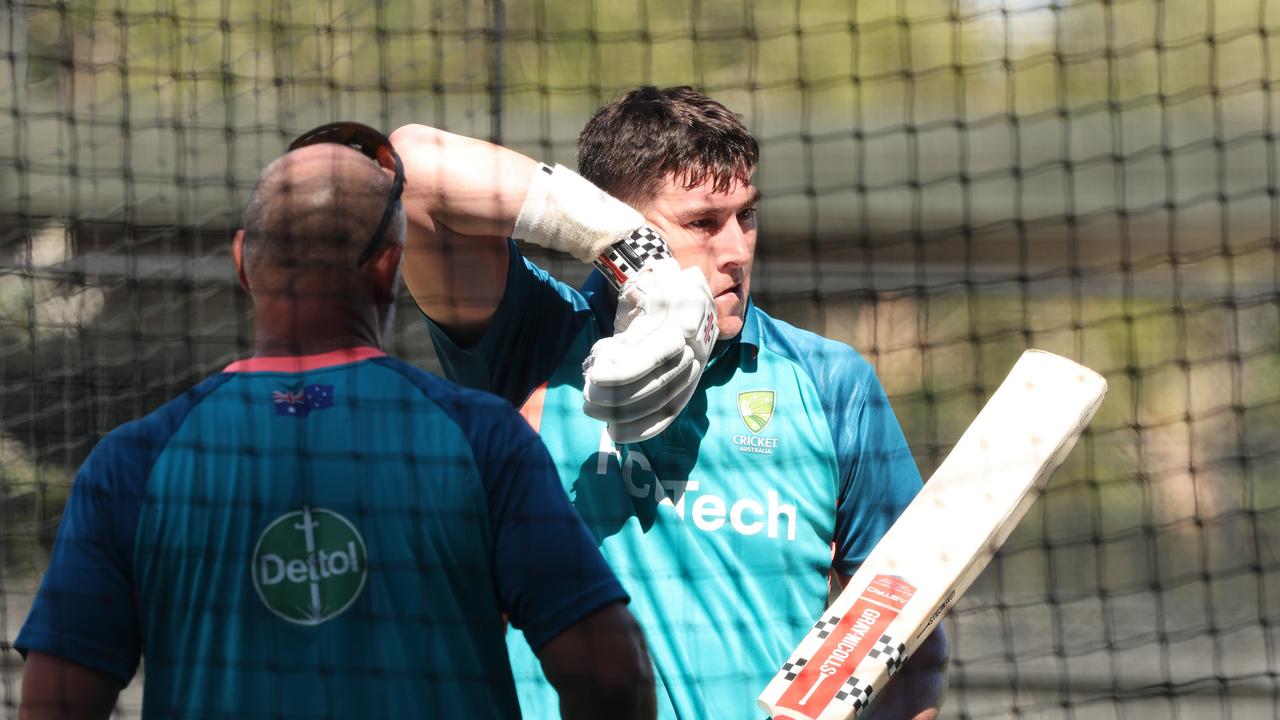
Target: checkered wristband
<point x="625" y="258"/>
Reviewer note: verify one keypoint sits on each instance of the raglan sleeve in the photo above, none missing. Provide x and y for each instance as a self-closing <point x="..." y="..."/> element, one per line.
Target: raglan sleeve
<point x="878" y="475"/>
<point x="534" y="326"/>
<point x="85" y="609"/>
<point x="548" y="570"/>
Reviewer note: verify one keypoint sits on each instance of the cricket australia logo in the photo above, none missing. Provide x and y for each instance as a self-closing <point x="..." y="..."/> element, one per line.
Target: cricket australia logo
<point x="309" y="565"/>
<point x="756" y="409"/>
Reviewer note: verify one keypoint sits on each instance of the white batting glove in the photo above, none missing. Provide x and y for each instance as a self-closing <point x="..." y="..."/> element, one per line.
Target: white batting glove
<point x="640" y="379"/>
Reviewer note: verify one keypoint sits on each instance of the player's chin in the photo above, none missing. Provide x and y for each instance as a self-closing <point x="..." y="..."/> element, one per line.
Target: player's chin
<point x="729" y="325"/>
<point x="731" y="307"/>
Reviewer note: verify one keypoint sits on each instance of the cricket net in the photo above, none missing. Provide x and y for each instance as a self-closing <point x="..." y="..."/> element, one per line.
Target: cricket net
<point x="945" y="183"/>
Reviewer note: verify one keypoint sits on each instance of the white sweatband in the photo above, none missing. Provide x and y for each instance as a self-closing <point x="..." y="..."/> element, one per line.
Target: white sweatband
<point x="565" y="212"/>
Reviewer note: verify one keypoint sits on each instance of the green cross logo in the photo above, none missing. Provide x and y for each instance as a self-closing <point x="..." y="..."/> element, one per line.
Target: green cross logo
<point x="309" y="565"/>
<point x="756" y="409"/>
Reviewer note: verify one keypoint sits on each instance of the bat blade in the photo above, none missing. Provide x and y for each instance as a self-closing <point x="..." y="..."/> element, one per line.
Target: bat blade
<point x="941" y="542"/>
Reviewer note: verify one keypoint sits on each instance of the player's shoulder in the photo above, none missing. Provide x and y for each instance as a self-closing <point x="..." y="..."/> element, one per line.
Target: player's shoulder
<point x="157" y="426"/>
<point x="526" y="269"/>
<point x="494" y="432"/>
<point x="830" y="361"/>
<point x="132" y="447"/>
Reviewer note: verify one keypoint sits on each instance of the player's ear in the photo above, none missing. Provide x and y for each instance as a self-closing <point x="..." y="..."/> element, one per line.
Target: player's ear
<point x="237" y="257"/>
<point x="382" y="269"/>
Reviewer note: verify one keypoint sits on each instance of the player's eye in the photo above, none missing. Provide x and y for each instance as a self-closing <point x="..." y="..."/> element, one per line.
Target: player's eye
<point x="706" y="223"/>
<point x="747" y="215"/>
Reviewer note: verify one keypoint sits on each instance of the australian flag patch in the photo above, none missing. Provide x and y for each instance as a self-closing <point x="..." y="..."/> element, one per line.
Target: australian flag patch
<point x="300" y="401"/>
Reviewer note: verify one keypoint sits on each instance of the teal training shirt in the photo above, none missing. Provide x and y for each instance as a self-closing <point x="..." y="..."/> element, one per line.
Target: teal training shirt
<point x="334" y="536"/>
<point x="786" y="463"/>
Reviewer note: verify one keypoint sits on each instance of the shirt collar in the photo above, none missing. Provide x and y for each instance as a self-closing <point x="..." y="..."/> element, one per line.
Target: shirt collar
<point x="750" y="334"/>
<point x="303" y="363"/>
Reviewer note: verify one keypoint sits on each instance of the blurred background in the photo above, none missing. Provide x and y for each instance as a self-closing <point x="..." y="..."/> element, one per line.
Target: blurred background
<point x="945" y="183"/>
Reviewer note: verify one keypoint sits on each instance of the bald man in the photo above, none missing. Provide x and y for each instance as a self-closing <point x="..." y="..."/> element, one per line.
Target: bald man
<point x="319" y="530"/>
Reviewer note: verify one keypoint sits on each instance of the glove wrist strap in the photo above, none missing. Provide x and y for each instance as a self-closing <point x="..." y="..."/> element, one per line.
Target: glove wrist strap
<point x="627" y="257"/>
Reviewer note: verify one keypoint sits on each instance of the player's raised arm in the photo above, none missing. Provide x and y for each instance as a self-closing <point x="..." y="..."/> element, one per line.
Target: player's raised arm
<point x="463" y="195"/>
<point x="461" y="199"/>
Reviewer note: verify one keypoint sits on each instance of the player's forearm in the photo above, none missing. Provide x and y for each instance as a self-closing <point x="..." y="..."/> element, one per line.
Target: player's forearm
<point x="470" y="186"/>
<point x="629" y="701"/>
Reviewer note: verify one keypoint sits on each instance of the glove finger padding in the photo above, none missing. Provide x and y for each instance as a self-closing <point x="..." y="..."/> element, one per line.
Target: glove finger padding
<point x="651" y="394"/>
<point x="641" y="378"/>
<point x="634" y="431"/>
<point x="663" y="290"/>
<point x="629" y="358"/>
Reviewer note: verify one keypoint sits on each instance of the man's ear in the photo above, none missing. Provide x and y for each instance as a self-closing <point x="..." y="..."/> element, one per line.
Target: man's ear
<point x="383" y="267"/>
<point x="237" y="257"/>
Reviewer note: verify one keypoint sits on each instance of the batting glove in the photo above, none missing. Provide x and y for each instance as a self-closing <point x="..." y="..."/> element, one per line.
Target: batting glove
<point x="640" y="379"/>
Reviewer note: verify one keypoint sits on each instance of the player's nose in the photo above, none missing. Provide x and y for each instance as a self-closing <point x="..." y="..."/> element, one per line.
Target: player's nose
<point x="733" y="247"/>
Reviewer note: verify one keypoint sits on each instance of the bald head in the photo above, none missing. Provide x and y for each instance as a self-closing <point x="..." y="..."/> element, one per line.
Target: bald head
<point x="317" y="206"/>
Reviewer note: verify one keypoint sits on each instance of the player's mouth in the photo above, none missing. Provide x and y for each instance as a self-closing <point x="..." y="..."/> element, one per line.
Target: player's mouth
<point x="733" y="291"/>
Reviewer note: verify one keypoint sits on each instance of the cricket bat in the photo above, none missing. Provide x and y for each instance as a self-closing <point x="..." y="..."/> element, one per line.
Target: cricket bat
<point x="940" y="544"/>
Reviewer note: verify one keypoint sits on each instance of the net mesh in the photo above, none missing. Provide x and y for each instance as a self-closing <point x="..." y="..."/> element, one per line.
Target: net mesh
<point x="944" y="184"/>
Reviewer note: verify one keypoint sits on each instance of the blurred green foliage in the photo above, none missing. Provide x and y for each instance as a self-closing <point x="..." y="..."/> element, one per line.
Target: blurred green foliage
<point x="1184" y="445"/>
<point x="967" y="58"/>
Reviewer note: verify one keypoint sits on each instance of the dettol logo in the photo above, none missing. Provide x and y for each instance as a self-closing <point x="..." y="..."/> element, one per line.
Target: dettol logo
<point x="309" y="565"/>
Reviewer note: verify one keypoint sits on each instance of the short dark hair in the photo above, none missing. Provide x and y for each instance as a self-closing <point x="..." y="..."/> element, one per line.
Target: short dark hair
<point x="295" y="221"/>
<point x="630" y="146"/>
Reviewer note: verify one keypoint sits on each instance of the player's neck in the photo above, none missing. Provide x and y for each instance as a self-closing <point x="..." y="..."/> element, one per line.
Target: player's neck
<point x="313" y="328"/>
<point x="294" y="347"/>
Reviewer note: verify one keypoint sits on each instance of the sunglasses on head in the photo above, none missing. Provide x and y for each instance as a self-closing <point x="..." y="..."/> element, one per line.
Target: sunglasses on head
<point x="373" y="145"/>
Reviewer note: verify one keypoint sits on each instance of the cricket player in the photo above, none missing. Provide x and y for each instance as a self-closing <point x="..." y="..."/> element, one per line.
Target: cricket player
<point x="733" y="474"/>
<point x="321" y="531"/>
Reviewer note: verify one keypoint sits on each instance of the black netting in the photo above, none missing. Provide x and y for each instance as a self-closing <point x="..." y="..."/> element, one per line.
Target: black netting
<point x="944" y="184"/>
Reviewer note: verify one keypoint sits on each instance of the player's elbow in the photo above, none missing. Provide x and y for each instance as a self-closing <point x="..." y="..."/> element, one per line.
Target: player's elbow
<point x="408" y="138"/>
<point x="425" y="149"/>
<point x="932" y="658"/>
<point x="915" y="693"/>
<point x="421" y="150"/>
<point x="926" y="675"/>
<point x="624" y="688"/>
<point x="631" y="678"/>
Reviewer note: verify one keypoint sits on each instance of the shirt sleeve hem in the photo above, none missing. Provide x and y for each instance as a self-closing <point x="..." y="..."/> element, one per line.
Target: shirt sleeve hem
<point x="76" y="650"/>
<point x="599" y="595"/>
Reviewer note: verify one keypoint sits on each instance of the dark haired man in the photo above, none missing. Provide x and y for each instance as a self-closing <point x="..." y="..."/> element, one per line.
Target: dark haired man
<point x="321" y="531"/>
<point x="783" y="469"/>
